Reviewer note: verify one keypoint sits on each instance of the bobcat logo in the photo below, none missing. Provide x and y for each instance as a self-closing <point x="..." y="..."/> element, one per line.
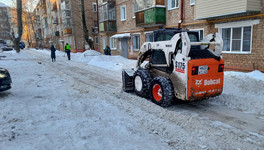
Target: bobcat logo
<point x="198" y="82"/>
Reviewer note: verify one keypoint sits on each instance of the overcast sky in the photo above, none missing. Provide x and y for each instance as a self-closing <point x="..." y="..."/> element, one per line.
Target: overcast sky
<point x="7" y="2"/>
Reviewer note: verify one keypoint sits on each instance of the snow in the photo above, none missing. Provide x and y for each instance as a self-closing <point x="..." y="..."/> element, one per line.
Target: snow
<point x="257" y="75"/>
<point x="79" y="104"/>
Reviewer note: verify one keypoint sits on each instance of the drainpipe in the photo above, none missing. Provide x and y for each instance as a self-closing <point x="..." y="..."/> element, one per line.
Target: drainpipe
<point x="98" y="34"/>
<point x="181" y="21"/>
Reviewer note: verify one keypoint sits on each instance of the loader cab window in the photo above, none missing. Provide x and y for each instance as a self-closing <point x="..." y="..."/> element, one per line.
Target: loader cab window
<point x="158" y="60"/>
<point x="158" y="57"/>
<point x="165" y="35"/>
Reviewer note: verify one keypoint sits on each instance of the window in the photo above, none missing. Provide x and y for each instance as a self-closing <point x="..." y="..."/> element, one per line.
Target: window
<point x="136" y="41"/>
<point x="94" y="7"/>
<point x="237" y="39"/>
<point x="103" y="13"/>
<point x="172" y="4"/>
<point x="133" y="10"/>
<point x="149" y="37"/>
<point x="201" y="33"/>
<point x="113" y="43"/>
<point x="95" y="23"/>
<point x="111" y="11"/>
<point x="192" y="2"/>
<point x="123" y="13"/>
<point x="96" y="40"/>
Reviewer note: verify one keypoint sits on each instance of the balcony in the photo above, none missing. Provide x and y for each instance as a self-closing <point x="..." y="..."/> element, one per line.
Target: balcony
<point x="107" y="16"/>
<point x="151" y="17"/>
<point x="68" y="31"/>
<point x="107" y="26"/>
<point x="54" y="7"/>
<point x="208" y="9"/>
<point x="65" y="6"/>
<point x="66" y="14"/>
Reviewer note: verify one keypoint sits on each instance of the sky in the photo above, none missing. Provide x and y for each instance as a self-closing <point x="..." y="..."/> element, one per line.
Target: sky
<point x="7" y="2"/>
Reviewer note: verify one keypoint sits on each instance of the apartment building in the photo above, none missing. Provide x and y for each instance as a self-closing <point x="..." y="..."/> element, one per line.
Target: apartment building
<point x="4" y="24"/>
<point x="239" y="22"/>
<point x="59" y="22"/>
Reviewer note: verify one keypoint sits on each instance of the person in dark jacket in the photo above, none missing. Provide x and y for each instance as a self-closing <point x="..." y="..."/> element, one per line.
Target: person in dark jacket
<point x="68" y="50"/>
<point x="107" y="50"/>
<point x="53" y="55"/>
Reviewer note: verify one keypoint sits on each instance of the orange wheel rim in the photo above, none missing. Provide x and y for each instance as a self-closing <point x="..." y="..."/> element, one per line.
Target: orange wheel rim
<point x="157" y="93"/>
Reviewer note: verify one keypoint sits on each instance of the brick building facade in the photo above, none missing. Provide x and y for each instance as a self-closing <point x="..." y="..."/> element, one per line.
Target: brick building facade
<point x="240" y="25"/>
<point x="4" y="24"/>
<point x="59" y="22"/>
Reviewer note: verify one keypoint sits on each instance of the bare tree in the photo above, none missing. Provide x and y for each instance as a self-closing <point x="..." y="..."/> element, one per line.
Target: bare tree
<point x="84" y="26"/>
<point x="16" y="37"/>
<point x="29" y="21"/>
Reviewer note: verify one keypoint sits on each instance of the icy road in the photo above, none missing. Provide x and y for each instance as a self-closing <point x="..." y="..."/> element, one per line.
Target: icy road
<point x="79" y="104"/>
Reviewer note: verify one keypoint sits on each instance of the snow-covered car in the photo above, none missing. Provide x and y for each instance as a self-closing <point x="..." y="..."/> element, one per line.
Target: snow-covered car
<point x="7" y="48"/>
<point x="5" y="80"/>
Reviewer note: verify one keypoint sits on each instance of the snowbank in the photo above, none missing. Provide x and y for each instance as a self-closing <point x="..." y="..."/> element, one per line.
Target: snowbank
<point x="257" y="75"/>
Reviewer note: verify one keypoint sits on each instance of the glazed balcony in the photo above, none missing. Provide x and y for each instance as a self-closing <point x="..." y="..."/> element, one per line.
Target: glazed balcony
<point x="68" y="31"/>
<point x="107" y="17"/>
<point x="54" y="7"/>
<point x="150" y="12"/>
<point x="107" y="26"/>
<point x="208" y="9"/>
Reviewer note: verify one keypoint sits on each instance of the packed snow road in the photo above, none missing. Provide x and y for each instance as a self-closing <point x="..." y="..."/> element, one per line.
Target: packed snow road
<point x="76" y="105"/>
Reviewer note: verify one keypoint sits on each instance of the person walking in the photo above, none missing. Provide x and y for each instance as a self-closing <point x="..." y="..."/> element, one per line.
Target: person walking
<point x="68" y="50"/>
<point x="53" y="55"/>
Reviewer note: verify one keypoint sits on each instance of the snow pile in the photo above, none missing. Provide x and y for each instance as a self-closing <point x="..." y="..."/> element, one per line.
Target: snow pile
<point x="15" y="55"/>
<point x="94" y="58"/>
<point x="243" y="91"/>
<point x="91" y="53"/>
<point x="257" y="75"/>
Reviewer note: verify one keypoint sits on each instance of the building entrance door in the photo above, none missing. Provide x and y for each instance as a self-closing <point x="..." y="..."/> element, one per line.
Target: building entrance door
<point x="124" y="47"/>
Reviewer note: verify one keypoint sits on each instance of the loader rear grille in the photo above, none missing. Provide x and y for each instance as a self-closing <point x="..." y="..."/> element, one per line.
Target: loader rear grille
<point x="200" y="54"/>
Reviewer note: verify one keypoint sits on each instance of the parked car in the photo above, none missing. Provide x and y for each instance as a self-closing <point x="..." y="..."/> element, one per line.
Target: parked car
<point x="7" y="48"/>
<point x="22" y="45"/>
<point x="5" y="80"/>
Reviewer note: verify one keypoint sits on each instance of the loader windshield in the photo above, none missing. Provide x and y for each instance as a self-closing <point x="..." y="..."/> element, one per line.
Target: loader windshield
<point x="167" y="34"/>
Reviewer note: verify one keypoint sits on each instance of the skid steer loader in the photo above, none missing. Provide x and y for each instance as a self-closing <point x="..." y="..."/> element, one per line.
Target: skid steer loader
<point x="177" y="65"/>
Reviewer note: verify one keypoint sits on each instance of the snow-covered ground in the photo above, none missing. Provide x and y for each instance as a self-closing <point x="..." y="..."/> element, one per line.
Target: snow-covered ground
<point x="79" y="104"/>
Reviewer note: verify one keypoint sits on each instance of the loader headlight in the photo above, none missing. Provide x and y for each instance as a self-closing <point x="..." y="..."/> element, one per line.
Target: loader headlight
<point x="2" y="75"/>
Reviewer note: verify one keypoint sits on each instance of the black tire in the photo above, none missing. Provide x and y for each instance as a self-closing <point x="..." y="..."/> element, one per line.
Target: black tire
<point x="162" y="91"/>
<point x="142" y="80"/>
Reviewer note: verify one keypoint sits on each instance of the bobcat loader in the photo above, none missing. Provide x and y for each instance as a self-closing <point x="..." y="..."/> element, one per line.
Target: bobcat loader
<point x="182" y="67"/>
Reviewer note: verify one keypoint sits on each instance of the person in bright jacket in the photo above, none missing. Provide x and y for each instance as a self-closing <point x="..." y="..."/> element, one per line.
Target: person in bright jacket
<point x="53" y="55"/>
<point x="68" y="50"/>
